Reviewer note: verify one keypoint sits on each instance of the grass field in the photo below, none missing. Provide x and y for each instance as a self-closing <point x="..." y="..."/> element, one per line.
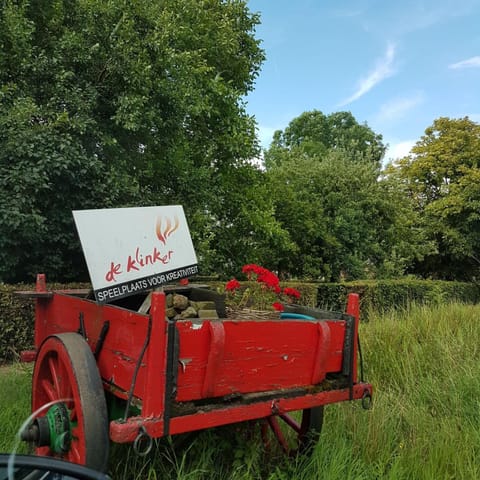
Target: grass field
<point x="425" y="422"/>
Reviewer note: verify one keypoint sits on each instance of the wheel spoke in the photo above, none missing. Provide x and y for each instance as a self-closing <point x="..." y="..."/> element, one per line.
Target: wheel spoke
<point x="291" y="422"/>
<point x="64" y="381"/>
<point x="273" y="422"/>
<point x="76" y="432"/>
<point x="67" y="392"/>
<point x="306" y="420"/>
<point x="49" y="389"/>
<point x="54" y="374"/>
<point x="73" y="413"/>
<point x="73" y="453"/>
<point x="295" y="432"/>
<point x="264" y="434"/>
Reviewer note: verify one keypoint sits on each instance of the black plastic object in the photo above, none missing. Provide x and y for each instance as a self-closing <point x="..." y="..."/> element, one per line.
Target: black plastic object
<point x="29" y="467"/>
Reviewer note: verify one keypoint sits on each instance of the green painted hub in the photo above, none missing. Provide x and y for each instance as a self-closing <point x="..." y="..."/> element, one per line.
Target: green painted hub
<point x="60" y="428"/>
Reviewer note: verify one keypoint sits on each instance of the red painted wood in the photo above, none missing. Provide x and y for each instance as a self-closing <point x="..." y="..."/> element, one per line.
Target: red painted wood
<point x="40" y="310"/>
<point x="214" y="358"/>
<point x="127" y="432"/>
<point x="353" y="309"/>
<point x="156" y="359"/>
<point x="273" y="422"/>
<point x="258" y="355"/>
<point x="41" y="283"/>
<point x="240" y="413"/>
<point x="321" y="354"/>
<point x="27" y="356"/>
<point x="122" y="344"/>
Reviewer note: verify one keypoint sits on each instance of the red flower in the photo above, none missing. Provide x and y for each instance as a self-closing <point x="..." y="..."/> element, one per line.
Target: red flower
<point x="269" y="279"/>
<point x="183" y="281"/>
<point x="268" y="286"/>
<point x="291" y="292"/>
<point x="232" y="285"/>
<point x="276" y="289"/>
<point x="252" y="268"/>
<point x="278" y="307"/>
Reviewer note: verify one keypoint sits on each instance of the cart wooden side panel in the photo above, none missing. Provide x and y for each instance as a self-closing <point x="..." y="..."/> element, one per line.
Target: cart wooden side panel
<point x="122" y="344"/>
<point x="215" y="358"/>
<point x="221" y="358"/>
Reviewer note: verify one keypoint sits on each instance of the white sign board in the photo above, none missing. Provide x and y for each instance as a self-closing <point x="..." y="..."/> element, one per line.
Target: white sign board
<point x="129" y="250"/>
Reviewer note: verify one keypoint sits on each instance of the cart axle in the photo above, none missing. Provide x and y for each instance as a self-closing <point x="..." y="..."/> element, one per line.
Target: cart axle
<point x="53" y="430"/>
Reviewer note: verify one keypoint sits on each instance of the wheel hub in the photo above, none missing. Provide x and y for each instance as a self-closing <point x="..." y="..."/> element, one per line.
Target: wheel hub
<point x="53" y="430"/>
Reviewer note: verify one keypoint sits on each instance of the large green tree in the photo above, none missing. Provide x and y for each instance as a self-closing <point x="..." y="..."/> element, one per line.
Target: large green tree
<point x="245" y="229"/>
<point x="442" y="177"/>
<point x="342" y="220"/>
<point x="111" y="103"/>
<point x="314" y="133"/>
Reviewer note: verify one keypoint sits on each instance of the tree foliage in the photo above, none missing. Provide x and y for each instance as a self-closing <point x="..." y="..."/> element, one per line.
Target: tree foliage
<point x="344" y="222"/>
<point x="314" y="133"/>
<point x="246" y="229"/>
<point x="442" y="177"/>
<point x="112" y="103"/>
<point x="344" y="219"/>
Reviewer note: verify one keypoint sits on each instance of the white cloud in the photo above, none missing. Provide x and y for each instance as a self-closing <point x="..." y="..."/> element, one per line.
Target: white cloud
<point x="383" y="69"/>
<point x="398" y="107"/>
<point x="473" y="62"/>
<point x="399" y="149"/>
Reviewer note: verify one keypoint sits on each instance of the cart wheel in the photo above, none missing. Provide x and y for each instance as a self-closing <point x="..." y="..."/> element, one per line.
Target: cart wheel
<point x="75" y="426"/>
<point x="295" y="432"/>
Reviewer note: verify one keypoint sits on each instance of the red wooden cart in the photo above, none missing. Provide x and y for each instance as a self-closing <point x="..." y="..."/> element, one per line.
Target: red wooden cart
<point x="110" y="372"/>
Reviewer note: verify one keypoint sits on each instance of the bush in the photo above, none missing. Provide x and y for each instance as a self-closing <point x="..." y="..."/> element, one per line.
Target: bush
<point x="16" y="322"/>
<point x="17" y="317"/>
<point x="385" y="295"/>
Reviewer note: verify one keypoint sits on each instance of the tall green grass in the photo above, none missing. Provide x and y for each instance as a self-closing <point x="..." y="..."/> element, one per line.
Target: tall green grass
<point x="424" y="364"/>
<point x="14" y="403"/>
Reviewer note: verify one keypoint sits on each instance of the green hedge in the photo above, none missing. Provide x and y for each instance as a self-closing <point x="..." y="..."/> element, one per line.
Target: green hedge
<point x="384" y="295"/>
<point x="16" y="322"/>
<point x="17" y="319"/>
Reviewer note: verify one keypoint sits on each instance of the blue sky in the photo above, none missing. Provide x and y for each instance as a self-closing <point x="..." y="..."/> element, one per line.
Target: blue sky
<point x="396" y="65"/>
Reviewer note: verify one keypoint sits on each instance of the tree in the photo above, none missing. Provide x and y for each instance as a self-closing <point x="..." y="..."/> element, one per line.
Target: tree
<point x="442" y="177"/>
<point x="245" y="230"/>
<point x="344" y="218"/>
<point x="344" y="222"/>
<point x="112" y="103"/>
<point x="314" y="133"/>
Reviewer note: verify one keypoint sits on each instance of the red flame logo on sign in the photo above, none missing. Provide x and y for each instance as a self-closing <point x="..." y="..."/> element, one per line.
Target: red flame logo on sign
<point x="163" y="232"/>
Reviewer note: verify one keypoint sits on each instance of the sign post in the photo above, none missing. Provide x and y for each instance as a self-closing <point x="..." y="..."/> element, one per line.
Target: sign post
<point x="129" y="250"/>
